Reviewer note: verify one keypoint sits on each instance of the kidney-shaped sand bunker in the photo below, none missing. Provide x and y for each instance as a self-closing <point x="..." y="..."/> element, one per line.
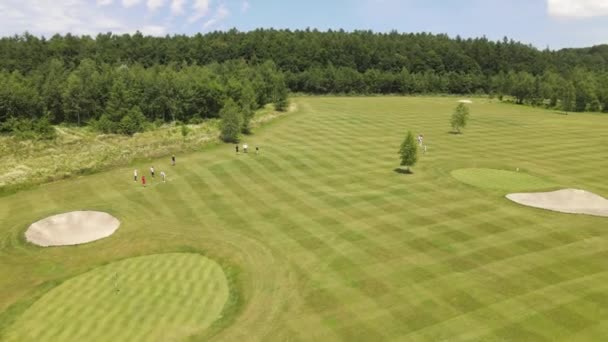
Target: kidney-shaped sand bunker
<point x="72" y="228"/>
<point x="571" y="201"/>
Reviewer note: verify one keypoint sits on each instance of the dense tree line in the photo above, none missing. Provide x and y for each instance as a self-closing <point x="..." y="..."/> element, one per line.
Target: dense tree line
<point x="107" y="78"/>
<point x="122" y="98"/>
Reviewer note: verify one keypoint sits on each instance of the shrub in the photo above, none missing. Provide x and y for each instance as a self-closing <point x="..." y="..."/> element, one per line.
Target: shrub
<point x="133" y="122"/>
<point x="40" y="129"/>
<point x="105" y="125"/>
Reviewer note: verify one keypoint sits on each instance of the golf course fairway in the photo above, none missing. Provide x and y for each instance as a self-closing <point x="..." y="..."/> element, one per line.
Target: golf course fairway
<point x="320" y="239"/>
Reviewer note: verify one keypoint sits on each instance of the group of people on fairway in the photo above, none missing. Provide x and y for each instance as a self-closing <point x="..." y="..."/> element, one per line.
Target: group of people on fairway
<point x="246" y="148"/>
<point x="163" y="175"/>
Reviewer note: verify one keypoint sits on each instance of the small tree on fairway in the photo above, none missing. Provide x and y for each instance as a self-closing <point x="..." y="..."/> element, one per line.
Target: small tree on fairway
<point x="232" y="121"/>
<point x="408" y="151"/>
<point x="460" y="117"/>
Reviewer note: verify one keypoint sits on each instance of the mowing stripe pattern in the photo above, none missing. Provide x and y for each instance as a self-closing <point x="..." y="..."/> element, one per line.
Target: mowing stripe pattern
<point x="335" y="245"/>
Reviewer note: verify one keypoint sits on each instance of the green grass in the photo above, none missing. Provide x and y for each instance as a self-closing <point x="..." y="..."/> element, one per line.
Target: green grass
<point x="332" y="244"/>
<point x="164" y="296"/>
<point x="511" y="181"/>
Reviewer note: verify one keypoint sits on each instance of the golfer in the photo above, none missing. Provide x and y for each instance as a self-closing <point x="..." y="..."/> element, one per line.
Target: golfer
<point x="257" y="150"/>
<point x="143" y="181"/>
<point x="237" y="149"/>
<point x="135" y="175"/>
<point x="152" y="171"/>
<point x="245" y="148"/>
<point x="163" y="175"/>
<point x="173" y="160"/>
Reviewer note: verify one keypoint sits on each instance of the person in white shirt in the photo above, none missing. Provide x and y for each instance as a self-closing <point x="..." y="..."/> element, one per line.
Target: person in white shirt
<point x="135" y="175"/>
<point x="163" y="176"/>
<point x="152" y="171"/>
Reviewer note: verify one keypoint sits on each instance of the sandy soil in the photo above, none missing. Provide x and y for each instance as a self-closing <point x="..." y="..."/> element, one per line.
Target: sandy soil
<point x="566" y="201"/>
<point x="72" y="228"/>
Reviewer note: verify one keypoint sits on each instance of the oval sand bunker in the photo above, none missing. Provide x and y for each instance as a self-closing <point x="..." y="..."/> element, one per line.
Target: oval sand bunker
<point x="72" y="228"/>
<point x="570" y="201"/>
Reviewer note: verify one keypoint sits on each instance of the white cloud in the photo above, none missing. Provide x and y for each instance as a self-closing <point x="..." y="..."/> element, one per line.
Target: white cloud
<point x="153" y="30"/>
<point x="219" y="15"/>
<point x="245" y="6"/>
<point x="153" y="5"/>
<point x="130" y="3"/>
<point x="177" y="7"/>
<point x="201" y="9"/>
<point x="104" y="2"/>
<point x="577" y="8"/>
<point x="48" y="17"/>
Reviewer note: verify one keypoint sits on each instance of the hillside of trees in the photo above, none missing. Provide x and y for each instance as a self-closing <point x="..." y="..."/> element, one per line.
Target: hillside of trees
<point x="104" y="79"/>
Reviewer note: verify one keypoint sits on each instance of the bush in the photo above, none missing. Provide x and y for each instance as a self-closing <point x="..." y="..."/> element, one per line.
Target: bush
<point x="281" y="101"/>
<point x="43" y="129"/>
<point x="196" y="120"/>
<point x="133" y="122"/>
<point x="105" y="125"/>
<point x="40" y="129"/>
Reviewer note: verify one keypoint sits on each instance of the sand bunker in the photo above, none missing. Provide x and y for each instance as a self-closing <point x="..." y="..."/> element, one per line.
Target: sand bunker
<point x="566" y="201"/>
<point x="72" y="228"/>
<point x="465" y="101"/>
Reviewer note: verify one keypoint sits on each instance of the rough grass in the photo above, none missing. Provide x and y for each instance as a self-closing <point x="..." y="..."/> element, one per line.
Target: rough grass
<point x="510" y="181"/>
<point x="78" y="151"/>
<point x="165" y="296"/>
<point x="332" y="244"/>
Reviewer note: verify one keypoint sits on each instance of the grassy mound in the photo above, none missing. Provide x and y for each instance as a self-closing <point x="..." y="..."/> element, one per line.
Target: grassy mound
<point x="159" y="297"/>
<point x="500" y="179"/>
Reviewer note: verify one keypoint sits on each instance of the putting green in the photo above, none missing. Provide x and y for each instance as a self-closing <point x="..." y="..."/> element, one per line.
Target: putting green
<point x="501" y="179"/>
<point x="159" y="297"/>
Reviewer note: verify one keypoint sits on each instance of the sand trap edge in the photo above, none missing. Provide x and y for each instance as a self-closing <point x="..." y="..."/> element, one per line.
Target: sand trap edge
<point x="569" y="201"/>
<point x="72" y="228"/>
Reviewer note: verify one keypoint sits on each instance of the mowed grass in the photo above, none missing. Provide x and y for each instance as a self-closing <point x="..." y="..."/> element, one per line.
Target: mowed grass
<point x="501" y="179"/>
<point x="329" y="243"/>
<point x="166" y="296"/>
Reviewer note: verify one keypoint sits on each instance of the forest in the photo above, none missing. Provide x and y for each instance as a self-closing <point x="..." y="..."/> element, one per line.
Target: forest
<point x="116" y="83"/>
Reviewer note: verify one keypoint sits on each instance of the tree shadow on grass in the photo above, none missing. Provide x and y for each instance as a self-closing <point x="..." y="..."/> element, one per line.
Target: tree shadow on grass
<point x="403" y="171"/>
<point x="454" y="133"/>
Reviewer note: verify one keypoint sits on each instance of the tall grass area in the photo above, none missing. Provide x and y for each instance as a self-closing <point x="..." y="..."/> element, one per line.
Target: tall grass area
<point x="82" y="150"/>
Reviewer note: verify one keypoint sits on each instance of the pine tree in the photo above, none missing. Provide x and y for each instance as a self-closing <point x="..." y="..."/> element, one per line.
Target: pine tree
<point x="232" y="121"/>
<point x="408" y="151"/>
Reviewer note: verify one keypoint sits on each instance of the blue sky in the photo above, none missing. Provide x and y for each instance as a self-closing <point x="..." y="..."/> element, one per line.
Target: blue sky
<point x="553" y="23"/>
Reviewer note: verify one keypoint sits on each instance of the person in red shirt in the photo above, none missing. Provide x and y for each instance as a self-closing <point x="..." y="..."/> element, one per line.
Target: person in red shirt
<point x="143" y="180"/>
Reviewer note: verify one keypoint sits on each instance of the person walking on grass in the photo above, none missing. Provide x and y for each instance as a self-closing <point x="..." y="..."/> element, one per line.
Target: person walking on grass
<point x="245" y="148"/>
<point x="152" y="171"/>
<point x="163" y="176"/>
<point x="237" y="149"/>
<point x="257" y="150"/>
<point x="173" y="160"/>
<point x="143" y="180"/>
<point x="135" y="175"/>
